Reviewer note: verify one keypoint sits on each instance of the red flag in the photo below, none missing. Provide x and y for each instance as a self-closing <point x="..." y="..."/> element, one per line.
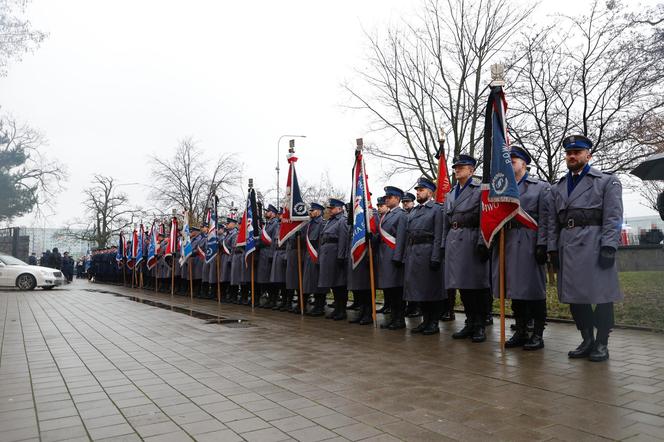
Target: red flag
<point x="443" y="185"/>
<point x="172" y="242"/>
<point x="295" y="211"/>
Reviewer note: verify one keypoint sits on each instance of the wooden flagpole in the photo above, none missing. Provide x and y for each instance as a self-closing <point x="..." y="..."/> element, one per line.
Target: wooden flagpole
<point x="124" y="277"/>
<point x="501" y="276"/>
<point x="252" y="279"/>
<point x="156" y="279"/>
<point x="373" y="284"/>
<point x="299" y="273"/>
<point x="191" y="282"/>
<point x="217" y="259"/>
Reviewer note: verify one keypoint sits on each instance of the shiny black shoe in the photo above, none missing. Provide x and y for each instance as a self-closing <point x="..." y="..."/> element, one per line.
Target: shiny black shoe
<point x="479" y="334"/>
<point x="414" y="313"/>
<point x="465" y="332"/>
<point x="420" y="328"/>
<point x="397" y="325"/>
<point x="366" y="319"/>
<point x="431" y="328"/>
<point x="599" y="353"/>
<point x="534" y="343"/>
<point x="341" y="316"/>
<point x="386" y="324"/>
<point x="584" y="349"/>
<point x="518" y="339"/>
<point x="447" y="317"/>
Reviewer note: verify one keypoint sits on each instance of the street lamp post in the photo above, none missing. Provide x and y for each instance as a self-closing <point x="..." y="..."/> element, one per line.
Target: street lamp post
<point x="278" y="157"/>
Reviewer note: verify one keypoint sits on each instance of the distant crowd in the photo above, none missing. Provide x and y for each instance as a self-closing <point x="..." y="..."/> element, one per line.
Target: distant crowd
<point x="63" y="262"/>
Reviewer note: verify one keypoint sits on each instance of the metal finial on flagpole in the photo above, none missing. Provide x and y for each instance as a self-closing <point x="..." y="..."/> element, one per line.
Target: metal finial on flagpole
<point x="497" y="75"/>
<point x="359" y="144"/>
<point x="251" y="183"/>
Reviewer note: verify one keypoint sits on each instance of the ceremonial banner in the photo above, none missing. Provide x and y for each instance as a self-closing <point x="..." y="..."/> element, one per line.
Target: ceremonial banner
<point x="245" y="236"/>
<point x="132" y="250"/>
<point x="500" y="192"/>
<point x="295" y="214"/>
<point x="120" y="254"/>
<point x="443" y="185"/>
<point x="363" y="220"/>
<point x="171" y="244"/>
<point x="212" y="238"/>
<point x="153" y="249"/>
<point x="185" y="244"/>
<point x="138" y="257"/>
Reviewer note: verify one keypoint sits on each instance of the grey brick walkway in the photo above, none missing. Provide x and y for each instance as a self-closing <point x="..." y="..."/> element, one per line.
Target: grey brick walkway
<point x="79" y="365"/>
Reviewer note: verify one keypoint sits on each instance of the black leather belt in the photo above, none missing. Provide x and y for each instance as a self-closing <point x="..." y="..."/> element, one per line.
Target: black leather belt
<point x="579" y="218"/>
<point x="571" y="223"/>
<point x="329" y="241"/>
<point x="461" y="225"/>
<point x="238" y="251"/>
<point x="513" y="225"/>
<point x="420" y="239"/>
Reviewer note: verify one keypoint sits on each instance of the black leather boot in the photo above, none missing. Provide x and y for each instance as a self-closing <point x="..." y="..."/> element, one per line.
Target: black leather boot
<point x="433" y="316"/>
<point x="536" y="340"/>
<point x="341" y="314"/>
<point x="466" y="331"/>
<point x="479" y="333"/>
<point x="520" y="336"/>
<point x="425" y="321"/>
<point x="366" y="317"/>
<point x="600" y="351"/>
<point x="584" y="349"/>
<point x="398" y="321"/>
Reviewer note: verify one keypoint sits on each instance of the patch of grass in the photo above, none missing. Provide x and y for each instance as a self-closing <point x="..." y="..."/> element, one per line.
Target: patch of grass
<point x="643" y="305"/>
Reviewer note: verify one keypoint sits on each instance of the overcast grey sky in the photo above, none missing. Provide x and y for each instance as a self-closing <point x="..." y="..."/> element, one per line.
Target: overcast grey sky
<point x="117" y="81"/>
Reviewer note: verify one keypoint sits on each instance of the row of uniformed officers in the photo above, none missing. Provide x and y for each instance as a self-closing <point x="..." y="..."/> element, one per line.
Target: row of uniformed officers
<point x="425" y="253"/>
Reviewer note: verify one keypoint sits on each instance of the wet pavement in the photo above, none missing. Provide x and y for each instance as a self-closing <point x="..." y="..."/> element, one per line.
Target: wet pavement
<point x="84" y="363"/>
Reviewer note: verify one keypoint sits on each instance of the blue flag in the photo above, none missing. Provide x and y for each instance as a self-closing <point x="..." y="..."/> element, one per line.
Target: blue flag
<point x="358" y="248"/>
<point x="212" y="238"/>
<point x="185" y="245"/>
<point x="119" y="255"/>
<point x="140" y="242"/>
<point x="250" y="245"/>
<point x="152" y="248"/>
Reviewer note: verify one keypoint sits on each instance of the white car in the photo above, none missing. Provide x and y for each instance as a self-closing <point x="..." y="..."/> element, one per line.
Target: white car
<point x="16" y="273"/>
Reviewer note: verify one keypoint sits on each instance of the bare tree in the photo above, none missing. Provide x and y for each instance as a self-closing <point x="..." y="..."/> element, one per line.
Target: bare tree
<point x="28" y="179"/>
<point x="595" y="75"/>
<point x="107" y="213"/>
<point x="187" y="181"/>
<point x="16" y="33"/>
<point x="428" y="75"/>
<point x="322" y="191"/>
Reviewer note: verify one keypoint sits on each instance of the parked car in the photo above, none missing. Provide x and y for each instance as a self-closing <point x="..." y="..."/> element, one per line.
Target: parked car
<point x="16" y="273"/>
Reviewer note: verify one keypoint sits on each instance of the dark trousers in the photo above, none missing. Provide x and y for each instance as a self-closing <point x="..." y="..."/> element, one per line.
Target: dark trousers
<point x="529" y="309"/>
<point x="587" y="318"/>
<point x="394" y="299"/>
<point x="475" y="303"/>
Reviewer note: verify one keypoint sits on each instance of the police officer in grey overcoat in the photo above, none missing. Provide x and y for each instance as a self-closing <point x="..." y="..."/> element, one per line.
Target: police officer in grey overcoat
<point x="358" y="279"/>
<point x="292" y="277"/>
<point x="423" y="274"/>
<point x="332" y="258"/>
<point x="195" y="260"/>
<point x="392" y="230"/>
<point x="267" y="244"/>
<point x="227" y="247"/>
<point x="311" y="235"/>
<point x="278" y="271"/>
<point x="525" y="256"/>
<point x="238" y="271"/>
<point x="466" y="255"/>
<point x="213" y="274"/>
<point x="588" y="208"/>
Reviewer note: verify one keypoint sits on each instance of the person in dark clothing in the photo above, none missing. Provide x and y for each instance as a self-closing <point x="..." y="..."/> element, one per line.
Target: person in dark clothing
<point x="32" y="259"/>
<point x="67" y="267"/>
<point x="56" y="259"/>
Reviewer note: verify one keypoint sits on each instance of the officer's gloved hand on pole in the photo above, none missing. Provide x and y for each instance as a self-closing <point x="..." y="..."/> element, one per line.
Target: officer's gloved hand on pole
<point x="434" y="265"/>
<point x="607" y="256"/>
<point x="554" y="258"/>
<point x="540" y="255"/>
<point x="483" y="252"/>
<point x="397" y="263"/>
